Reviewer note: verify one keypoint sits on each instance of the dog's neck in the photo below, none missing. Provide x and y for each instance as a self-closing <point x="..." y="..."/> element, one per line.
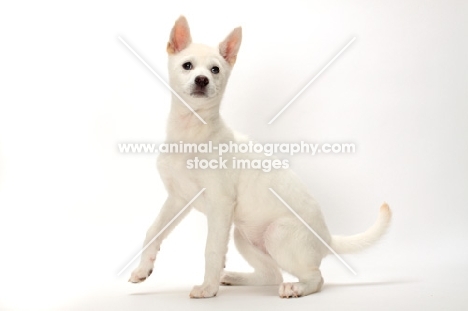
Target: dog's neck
<point x="184" y="125"/>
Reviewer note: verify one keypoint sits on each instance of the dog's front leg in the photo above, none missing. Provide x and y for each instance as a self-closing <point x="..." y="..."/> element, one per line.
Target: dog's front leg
<point x="169" y="210"/>
<point x="219" y="217"/>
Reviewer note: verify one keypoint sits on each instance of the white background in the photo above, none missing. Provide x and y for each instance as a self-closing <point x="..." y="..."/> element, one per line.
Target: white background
<point x="73" y="211"/>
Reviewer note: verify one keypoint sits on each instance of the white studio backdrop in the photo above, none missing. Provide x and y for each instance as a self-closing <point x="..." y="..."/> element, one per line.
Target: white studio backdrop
<point x="74" y="211"/>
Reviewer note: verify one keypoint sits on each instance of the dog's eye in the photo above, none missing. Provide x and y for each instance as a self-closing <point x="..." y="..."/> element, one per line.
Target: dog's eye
<point x="187" y="66"/>
<point x="215" y="70"/>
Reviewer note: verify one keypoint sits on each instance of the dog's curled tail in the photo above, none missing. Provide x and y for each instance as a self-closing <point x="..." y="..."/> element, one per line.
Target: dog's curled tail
<point x="358" y="242"/>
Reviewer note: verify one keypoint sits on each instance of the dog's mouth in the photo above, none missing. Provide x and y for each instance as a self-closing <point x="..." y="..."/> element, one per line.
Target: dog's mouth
<point x="198" y="93"/>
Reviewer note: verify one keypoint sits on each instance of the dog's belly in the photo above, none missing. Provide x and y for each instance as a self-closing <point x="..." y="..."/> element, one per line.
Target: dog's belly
<point x="255" y="234"/>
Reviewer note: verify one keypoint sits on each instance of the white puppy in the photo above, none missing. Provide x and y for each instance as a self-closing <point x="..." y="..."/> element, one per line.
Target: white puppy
<point x="266" y="233"/>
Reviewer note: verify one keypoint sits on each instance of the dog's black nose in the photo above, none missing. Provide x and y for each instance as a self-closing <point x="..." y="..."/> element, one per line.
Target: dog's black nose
<point x="201" y="81"/>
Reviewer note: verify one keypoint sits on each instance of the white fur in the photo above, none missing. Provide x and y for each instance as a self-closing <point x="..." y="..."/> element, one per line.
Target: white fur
<point x="266" y="233"/>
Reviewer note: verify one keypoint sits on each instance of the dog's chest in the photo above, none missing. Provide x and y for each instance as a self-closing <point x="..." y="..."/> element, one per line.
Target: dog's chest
<point x="175" y="175"/>
<point x="184" y="181"/>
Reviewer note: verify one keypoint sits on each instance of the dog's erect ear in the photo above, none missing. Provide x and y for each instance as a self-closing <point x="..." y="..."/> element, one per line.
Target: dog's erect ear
<point x="230" y="46"/>
<point x="180" y="36"/>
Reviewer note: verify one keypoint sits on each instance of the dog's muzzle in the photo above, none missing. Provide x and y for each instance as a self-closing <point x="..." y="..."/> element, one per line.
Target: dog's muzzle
<point x="200" y="86"/>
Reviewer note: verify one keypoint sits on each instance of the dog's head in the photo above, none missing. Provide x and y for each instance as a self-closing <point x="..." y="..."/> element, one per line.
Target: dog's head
<point x="199" y="73"/>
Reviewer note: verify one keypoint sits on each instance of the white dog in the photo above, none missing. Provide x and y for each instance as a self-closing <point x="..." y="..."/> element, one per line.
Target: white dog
<point x="266" y="233"/>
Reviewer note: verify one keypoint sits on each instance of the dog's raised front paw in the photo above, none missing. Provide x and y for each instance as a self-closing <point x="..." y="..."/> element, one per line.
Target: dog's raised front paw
<point x="141" y="273"/>
<point x="204" y="291"/>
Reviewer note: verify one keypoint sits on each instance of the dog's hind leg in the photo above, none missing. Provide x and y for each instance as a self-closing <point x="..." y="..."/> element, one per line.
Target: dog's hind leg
<point x="266" y="270"/>
<point x="297" y="251"/>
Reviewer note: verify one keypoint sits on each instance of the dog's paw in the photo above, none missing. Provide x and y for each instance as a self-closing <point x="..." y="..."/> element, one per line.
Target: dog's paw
<point x="204" y="291"/>
<point x="225" y="279"/>
<point x="141" y="273"/>
<point x="290" y="290"/>
<point x="231" y="278"/>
